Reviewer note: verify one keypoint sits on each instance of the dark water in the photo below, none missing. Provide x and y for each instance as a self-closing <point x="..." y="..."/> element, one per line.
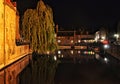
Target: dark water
<point x="79" y="71"/>
<point x="88" y="72"/>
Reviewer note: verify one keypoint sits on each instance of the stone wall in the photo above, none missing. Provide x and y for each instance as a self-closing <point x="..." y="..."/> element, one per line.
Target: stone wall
<point x="9" y="23"/>
<point x="114" y="50"/>
<point x="1" y="34"/>
<point x="13" y="58"/>
<point x="10" y="75"/>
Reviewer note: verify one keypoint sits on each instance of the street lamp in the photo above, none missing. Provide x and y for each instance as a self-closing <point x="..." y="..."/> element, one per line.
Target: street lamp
<point x="116" y="36"/>
<point x="106" y="46"/>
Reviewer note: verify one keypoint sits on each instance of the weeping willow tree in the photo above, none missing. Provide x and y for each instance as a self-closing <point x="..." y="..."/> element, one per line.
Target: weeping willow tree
<point x="38" y="28"/>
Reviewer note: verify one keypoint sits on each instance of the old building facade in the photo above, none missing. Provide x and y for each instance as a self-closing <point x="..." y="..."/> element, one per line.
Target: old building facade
<point x="13" y="58"/>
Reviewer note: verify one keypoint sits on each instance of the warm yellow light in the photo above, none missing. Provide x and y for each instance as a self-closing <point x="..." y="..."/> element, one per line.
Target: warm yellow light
<point x="71" y="41"/>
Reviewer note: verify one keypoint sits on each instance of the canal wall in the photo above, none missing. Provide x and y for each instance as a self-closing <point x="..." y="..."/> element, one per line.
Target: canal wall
<point x="10" y="74"/>
<point x="114" y="50"/>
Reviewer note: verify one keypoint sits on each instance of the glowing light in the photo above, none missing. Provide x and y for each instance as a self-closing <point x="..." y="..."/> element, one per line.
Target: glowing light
<point x="103" y="37"/>
<point x="62" y="56"/>
<point x="106" y="46"/>
<point x="97" y="56"/>
<point x="79" y="41"/>
<point x="105" y="42"/>
<point x="71" y="41"/>
<point x="48" y="52"/>
<point x="59" y="56"/>
<point x="89" y="52"/>
<point x="55" y="58"/>
<point x="105" y="59"/>
<point x="116" y="35"/>
<point x="85" y="52"/>
<point x="85" y="41"/>
<point x="78" y="51"/>
<point x="59" y="52"/>
<point x="71" y="51"/>
<point x="59" y="41"/>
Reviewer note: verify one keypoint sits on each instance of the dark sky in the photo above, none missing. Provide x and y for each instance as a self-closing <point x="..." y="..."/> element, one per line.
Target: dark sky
<point x="76" y="13"/>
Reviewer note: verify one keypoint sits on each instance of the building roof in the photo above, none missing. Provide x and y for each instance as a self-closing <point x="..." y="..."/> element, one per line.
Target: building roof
<point x="65" y="33"/>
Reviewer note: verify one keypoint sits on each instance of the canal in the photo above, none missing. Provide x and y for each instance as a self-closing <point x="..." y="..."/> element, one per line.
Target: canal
<point x="88" y="72"/>
<point x="90" y="68"/>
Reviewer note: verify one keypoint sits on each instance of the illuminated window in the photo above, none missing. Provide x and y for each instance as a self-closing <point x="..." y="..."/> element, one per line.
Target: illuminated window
<point x="71" y="51"/>
<point x="59" y="41"/>
<point x="85" y="41"/>
<point x="79" y="41"/>
<point x="59" y="52"/>
<point x="62" y="56"/>
<point x="78" y="51"/>
<point x="71" y="41"/>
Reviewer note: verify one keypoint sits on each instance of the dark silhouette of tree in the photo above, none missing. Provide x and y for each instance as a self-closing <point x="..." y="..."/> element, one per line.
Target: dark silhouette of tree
<point x="38" y="28"/>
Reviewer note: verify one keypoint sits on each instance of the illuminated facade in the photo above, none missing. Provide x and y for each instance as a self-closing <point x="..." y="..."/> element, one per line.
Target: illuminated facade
<point x="72" y="38"/>
<point x="71" y="44"/>
<point x="10" y="53"/>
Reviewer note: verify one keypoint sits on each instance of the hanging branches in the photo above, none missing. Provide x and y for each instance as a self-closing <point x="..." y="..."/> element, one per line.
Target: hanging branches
<point x="38" y="28"/>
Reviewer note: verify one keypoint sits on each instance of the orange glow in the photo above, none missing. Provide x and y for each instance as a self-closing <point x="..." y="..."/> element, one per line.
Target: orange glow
<point x="105" y="42"/>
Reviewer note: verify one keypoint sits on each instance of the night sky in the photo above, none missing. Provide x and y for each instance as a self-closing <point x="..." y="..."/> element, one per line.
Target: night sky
<point x="92" y="14"/>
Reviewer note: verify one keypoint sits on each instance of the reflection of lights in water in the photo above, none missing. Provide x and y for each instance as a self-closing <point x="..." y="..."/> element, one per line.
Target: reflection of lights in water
<point x="71" y="51"/>
<point x="93" y="53"/>
<point x="97" y="56"/>
<point x="78" y="51"/>
<point x="89" y="52"/>
<point x="106" y="46"/>
<point x="59" y="56"/>
<point x="62" y="56"/>
<point x="55" y="58"/>
<point x="105" y="59"/>
<point x="85" y="52"/>
<point x="59" y="52"/>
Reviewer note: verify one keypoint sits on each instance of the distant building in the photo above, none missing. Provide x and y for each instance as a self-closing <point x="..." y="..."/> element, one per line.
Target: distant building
<point x="72" y="38"/>
<point x="73" y="44"/>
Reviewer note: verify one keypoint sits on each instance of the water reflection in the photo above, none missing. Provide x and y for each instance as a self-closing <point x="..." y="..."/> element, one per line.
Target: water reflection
<point x="84" y="55"/>
<point x="75" y="55"/>
<point x="69" y="53"/>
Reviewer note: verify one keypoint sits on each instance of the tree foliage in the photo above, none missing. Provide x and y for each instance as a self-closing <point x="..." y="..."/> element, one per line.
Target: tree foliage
<point x="38" y="28"/>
